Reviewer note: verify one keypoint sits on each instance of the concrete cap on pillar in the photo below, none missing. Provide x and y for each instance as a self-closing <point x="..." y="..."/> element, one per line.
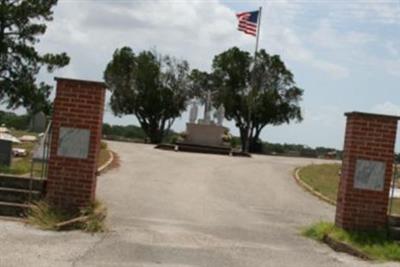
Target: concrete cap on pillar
<point x="98" y="83"/>
<point x="366" y="114"/>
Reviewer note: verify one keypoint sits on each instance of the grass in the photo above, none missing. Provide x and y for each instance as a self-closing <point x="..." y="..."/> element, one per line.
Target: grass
<point x="19" y="133"/>
<point x="46" y="217"/>
<point x="104" y="155"/>
<point x="324" y="178"/>
<point x="20" y="166"/>
<point x="375" y="244"/>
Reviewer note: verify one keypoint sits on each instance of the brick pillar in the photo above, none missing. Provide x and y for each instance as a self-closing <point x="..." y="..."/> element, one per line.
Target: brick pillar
<point x="75" y="142"/>
<point x="367" y="168"/>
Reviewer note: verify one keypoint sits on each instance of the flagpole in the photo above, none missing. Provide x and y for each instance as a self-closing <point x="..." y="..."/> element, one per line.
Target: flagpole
<point x="250" y="100"/>
<point x="258" y="30"/>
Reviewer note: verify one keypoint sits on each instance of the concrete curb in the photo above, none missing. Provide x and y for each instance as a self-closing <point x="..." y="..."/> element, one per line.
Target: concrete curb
<point x="310" y="189"/>
<point x="340" y="246"/>
<point x="12" y="219"/>
<point x="105" y="165"/>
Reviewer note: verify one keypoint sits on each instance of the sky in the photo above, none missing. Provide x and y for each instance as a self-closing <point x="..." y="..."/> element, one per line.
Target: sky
<point x="344" y="54"/>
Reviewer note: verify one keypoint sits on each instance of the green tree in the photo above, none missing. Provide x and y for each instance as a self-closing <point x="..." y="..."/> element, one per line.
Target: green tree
<point x="255" y="93"/>
<point x="150" y="86"/>
<point x="107" y="129"/>
<point x="12" y="120"/>
<point x="200" y="83"/>
<point x="21" y="24"/>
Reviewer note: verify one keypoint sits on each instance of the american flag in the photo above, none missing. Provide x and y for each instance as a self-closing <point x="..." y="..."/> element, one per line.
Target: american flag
<point x="248" y="22"/>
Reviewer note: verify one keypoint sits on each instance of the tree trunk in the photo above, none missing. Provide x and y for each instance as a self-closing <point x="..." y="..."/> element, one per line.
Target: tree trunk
<point x="155" y="135"/>
<point x="254" y="145"/>
<point x="243" y="138"/>
<point x="151" y="130"/>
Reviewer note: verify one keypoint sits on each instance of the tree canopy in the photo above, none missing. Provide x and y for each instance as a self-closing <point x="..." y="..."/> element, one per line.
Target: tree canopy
<point x="150" y="86"/>
<point x="200" y="83"/>
<point x="255" y="92"/>
<point x="21" y="24"/>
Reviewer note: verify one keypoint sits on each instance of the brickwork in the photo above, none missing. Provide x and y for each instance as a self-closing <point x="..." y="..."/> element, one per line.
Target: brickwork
<point x="368" y="137"/>
<point x="78" y="104"/>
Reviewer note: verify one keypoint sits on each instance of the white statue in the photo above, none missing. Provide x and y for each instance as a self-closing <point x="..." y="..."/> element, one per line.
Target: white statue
<point x="220" y="115"/>
<point x="207" y="109"/>
<point x="193" y="112"/>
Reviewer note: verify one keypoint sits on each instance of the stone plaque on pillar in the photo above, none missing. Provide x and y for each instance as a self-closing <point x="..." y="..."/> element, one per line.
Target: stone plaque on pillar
<point x="73" y="143"/>
<point x="370" y="175"/>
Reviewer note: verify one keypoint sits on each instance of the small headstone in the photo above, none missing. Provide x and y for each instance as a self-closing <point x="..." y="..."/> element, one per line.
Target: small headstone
<point x="5" y="152"/>
<point x="73" y="143"/>
<point x="38" y="122"/>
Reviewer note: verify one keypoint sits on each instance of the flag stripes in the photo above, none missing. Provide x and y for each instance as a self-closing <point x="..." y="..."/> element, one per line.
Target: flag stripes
<point x="248" y="22"/>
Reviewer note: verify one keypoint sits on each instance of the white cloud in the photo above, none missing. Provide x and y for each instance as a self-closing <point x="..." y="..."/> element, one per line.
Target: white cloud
<point x="327" y="36"/>
<point x="393" y="48"/>
<point x="296" y="49"/>
<point x="337" y="71"/>
<point x="386" y="12"/>
<point x="354" y="47"/>
<point x="393" y="67"/>
<point x="328" y="116"/>
<point x="285" y="41"/>
<point x="388" y="65"/>
<point x="392" y="63"/>
<point x="90" y="31"/>
<point x="387" y="108"/>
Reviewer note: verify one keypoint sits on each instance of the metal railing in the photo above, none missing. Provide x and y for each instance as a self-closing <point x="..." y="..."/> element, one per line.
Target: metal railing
<point x="393" y="185"/>
<point x="40" y="155"/>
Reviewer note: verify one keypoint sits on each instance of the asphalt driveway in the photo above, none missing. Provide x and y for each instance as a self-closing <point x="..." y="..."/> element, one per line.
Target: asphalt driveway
<point x="186" y="209"/>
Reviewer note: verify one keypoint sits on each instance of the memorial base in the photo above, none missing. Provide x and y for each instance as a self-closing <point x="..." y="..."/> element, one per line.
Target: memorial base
<point x="204" y="138"/>
<point x="205" y="134"/>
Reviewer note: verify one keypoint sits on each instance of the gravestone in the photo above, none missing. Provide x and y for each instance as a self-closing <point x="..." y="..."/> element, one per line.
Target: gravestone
<point x="38" y="123"/>
<point x="5" y="152"/>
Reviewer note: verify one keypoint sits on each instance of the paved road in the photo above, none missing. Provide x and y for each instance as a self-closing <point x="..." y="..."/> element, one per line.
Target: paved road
<point x="184" y="209"/>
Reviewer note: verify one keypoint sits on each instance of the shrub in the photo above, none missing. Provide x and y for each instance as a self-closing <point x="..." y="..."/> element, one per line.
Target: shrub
<point x="47" y="217"/>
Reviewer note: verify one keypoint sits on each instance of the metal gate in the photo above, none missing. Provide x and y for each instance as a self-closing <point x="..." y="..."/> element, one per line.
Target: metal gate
<point x="394" y="190"/>
<point x="39" y="163"/>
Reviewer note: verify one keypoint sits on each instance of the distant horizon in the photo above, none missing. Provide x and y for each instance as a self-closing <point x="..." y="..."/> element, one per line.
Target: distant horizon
<point x="23" y="112"/>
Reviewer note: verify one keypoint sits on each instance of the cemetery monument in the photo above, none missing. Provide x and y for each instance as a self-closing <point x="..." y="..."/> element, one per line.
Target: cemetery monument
<point x="205" y="132"/>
